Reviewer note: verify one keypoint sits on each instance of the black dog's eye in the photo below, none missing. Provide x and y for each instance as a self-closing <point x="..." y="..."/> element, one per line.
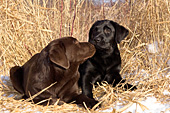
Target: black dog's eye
<point x="107" y="30"/>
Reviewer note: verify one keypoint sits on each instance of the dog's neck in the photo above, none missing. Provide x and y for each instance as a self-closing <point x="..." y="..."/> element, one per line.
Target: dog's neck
<point x="105" y="52"/>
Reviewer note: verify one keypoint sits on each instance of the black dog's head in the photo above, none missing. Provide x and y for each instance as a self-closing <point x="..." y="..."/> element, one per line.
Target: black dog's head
<point x="105" y="34"/>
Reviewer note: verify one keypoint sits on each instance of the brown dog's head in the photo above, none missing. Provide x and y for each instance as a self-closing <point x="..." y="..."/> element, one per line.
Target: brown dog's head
<point x="65" y="50"/>
<point x="104" y="34"/>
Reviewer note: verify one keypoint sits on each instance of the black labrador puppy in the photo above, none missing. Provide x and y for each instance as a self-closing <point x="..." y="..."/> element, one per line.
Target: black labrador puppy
<point x="105" y="65"/>
<point x="57" y="63"/>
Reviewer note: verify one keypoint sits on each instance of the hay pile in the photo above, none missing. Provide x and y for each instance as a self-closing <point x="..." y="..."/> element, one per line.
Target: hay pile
<point x="26" y="28"/>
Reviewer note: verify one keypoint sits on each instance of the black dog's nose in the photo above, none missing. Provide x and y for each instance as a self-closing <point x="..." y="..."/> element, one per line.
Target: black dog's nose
<point x="97" y="39"/>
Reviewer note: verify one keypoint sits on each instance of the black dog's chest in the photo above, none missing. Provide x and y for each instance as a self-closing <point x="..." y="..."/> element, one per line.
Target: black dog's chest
<point x="104" y="66"/>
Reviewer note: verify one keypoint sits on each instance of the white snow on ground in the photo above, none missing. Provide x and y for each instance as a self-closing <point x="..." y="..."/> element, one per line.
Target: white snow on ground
<point x="166" y="92"/>
<point x="153" y="48"/>
<point x="107" y="110"/>
<point x="4" y="79"/>
<point x="151" y="103"/>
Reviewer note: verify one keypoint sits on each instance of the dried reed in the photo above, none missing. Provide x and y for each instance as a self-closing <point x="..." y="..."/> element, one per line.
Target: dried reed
<point x="26" y="28"/>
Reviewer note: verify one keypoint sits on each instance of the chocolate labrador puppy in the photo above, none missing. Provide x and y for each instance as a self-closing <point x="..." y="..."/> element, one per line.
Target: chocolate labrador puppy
<point x="105" y="65"/>
<point x="57" y="62"/>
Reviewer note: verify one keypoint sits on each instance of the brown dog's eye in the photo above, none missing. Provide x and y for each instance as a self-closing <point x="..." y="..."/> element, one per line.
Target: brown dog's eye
<point x="76" y="41"/>
<point x="107" y="30"/>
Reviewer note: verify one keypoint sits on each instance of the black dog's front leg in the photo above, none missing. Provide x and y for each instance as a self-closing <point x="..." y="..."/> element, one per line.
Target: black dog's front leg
<point x="87" y="86"/>
<point x="116" y="79"/>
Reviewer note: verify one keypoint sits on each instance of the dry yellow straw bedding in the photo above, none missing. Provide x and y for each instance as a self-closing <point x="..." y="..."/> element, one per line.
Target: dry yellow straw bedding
<point x="26" y="28"/>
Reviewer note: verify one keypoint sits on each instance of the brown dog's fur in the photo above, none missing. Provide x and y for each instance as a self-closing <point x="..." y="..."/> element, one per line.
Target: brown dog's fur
<point x="57" y="62"/>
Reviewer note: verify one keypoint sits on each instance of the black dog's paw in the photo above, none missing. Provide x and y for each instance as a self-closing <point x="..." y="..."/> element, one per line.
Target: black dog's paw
<point x="91" y="103"/>
<point x="130" y="87"/>
<point x="85" y="101"/>
<point x="133" y="88"/>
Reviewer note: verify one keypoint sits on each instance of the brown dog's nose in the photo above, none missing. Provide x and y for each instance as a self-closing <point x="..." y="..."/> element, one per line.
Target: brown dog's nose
<point x="88" y="49"/>
<point x="92" y="48"/>
<point x="88" y="45"/>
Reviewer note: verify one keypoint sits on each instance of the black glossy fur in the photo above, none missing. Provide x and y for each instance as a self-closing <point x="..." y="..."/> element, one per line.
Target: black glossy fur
<point x="57" y="62"/>
<point x="105" y="65"/>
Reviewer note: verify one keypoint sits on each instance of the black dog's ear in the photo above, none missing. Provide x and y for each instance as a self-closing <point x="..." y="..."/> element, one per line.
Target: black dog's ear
<point x="57" y="55"/>
<point x="120" y="31"/>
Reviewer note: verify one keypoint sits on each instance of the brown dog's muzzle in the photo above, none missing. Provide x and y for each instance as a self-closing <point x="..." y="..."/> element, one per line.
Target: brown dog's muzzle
<point x="88" y="49"/>
<point x="85" y="51"/>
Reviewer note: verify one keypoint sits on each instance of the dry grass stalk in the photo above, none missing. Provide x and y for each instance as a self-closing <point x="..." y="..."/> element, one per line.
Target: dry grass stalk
<point x="32" y="97"/>
<point x="26" y="28"/>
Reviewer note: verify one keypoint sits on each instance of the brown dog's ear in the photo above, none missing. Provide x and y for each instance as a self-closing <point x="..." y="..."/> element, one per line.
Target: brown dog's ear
<point x="57" y="55"/>
<point x="120" y="31"/>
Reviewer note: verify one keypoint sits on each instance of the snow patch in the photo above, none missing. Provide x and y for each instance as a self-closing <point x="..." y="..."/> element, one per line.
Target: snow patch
<point x="151" y="104"/>
<point x="166" y="92"/>
<point x="153" y="48"/>
<point x="107" y="110"/>
<point x="5" y="79"/>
